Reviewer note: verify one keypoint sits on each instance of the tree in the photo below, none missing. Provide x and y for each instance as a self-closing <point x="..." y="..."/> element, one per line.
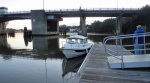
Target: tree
<point x="96" y="26"/>
<point x="126" y="25"/>
<point x="108" y="25"/>
<point x="143" y="17"/>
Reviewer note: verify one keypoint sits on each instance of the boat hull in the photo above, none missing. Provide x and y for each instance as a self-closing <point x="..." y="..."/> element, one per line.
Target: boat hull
<point x="70" y="53"/>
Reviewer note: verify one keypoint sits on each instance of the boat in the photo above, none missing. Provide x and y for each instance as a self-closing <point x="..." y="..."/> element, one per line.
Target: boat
<point x="75" y="46"/>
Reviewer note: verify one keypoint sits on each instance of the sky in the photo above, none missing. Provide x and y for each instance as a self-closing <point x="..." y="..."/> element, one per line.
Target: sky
<point x="26" y="5"/>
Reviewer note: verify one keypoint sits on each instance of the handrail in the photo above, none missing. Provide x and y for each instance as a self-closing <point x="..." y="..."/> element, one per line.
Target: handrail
<point x="118" y="41"/>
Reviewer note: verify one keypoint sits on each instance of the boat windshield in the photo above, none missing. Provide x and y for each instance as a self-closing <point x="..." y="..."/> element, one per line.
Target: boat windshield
<point x="71" y="41"/>
<point x="83" y="41"/>
<point x="77" y="41"/>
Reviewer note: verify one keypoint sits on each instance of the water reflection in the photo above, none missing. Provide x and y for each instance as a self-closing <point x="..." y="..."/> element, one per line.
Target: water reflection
<point x="4" y="45"/>
<point x="31" y="59"/>
<point x="42" y="47"/>
<point x="48" y="46"/>
<point x="5" y="48"/>
<point x="36" y="47"/>
<point x="11" y="34"/>
<point x="71" y="65"/>
<point x="27" y="39"/>
<point x="35" y="60"/>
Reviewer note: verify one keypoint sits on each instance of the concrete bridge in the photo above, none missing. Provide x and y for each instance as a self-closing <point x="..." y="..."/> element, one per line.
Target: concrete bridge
<point x="46" y="22"/>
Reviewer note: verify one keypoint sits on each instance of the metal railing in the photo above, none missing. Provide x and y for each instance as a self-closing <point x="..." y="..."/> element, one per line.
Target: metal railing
<point x="71" y="10"/>
<point x="124" y="45"/>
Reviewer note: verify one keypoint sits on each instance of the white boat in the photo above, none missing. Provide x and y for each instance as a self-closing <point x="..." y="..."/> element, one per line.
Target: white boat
<point x="76" y="46"/>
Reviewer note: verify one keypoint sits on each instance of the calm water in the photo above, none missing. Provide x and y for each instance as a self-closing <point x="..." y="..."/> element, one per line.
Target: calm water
<point x="36" y="60"/>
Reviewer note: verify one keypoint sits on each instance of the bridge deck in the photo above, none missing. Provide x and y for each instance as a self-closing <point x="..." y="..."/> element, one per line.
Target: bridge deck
<point x="95" y="69"/>
<point x="94" y="12"/>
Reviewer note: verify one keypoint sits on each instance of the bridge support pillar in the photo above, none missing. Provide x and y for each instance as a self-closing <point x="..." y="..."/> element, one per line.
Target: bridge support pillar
<point x="119" y="25"/>
<point x="82" y="25"/>
<point x="43" y="25"/>
<point x="2" y="28"/>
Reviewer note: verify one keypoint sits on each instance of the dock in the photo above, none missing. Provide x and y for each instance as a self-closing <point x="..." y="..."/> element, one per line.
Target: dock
<point x="96" y="69"/>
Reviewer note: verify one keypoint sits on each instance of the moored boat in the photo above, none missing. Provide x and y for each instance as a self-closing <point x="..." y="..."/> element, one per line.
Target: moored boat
<point x="75" y="46"/>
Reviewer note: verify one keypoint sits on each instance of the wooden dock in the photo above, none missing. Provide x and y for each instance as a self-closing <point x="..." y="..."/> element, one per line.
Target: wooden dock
<point x="95" y="69"/>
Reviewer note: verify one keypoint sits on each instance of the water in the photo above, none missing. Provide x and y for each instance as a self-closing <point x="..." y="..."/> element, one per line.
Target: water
<point x="36" y="60"/>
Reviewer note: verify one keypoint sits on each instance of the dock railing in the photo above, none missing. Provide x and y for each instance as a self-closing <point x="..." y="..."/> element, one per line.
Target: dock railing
<point x="124" y="45"/>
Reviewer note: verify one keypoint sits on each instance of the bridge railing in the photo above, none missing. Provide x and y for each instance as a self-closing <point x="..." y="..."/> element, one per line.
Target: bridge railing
<point x="61" y="10"/>
<point x="113" y="9"/>
<point x="69" y="10"/>
<point x="17" y="12"/>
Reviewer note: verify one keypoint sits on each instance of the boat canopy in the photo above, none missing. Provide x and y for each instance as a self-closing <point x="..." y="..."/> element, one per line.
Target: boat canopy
<point x="77" y="37"/>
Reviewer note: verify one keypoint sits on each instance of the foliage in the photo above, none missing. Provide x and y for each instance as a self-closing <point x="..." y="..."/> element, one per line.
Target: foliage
<point x="66" y="28"/>
<point x="109" y="25"/>
<point x="95" y="26"/>
<point x="143" y="17"/>
<point x="126" y="25"/>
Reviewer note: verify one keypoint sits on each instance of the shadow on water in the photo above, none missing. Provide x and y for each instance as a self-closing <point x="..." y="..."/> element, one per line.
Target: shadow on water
<point x="71" y="65"/>
<point x="11" y="34"/>
<point x="45" y="55"/>
<point x="70" y="68"/>
<point x="48" y="46"/>
<point x="5" y="48"/>
<point x="27" y="39"/>
<point x="43" y="47"/>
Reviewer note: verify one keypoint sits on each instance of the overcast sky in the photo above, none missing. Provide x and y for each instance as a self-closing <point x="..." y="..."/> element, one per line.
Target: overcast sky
<point x="21" y="5"/>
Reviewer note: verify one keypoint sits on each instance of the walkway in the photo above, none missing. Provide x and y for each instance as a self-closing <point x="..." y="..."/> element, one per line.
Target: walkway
<point x="95" y="69"/>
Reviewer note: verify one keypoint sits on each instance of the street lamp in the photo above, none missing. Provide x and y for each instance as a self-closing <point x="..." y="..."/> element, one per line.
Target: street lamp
<point x="117" y="4"/>
<point x="43" y="4"/>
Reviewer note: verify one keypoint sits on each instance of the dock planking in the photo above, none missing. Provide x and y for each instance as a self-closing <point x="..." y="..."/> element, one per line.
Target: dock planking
<point x="95" y="69"/>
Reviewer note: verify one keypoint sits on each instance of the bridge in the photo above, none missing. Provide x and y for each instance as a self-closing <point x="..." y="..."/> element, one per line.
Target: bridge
<point x="45" y="22"/>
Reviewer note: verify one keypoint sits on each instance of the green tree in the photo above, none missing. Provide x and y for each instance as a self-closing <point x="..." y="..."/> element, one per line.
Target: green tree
<point x="126" y="25"/>
<point x="142" y="18"/>
<point x="96" y="26"/>
<point x="108" y="25"/>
